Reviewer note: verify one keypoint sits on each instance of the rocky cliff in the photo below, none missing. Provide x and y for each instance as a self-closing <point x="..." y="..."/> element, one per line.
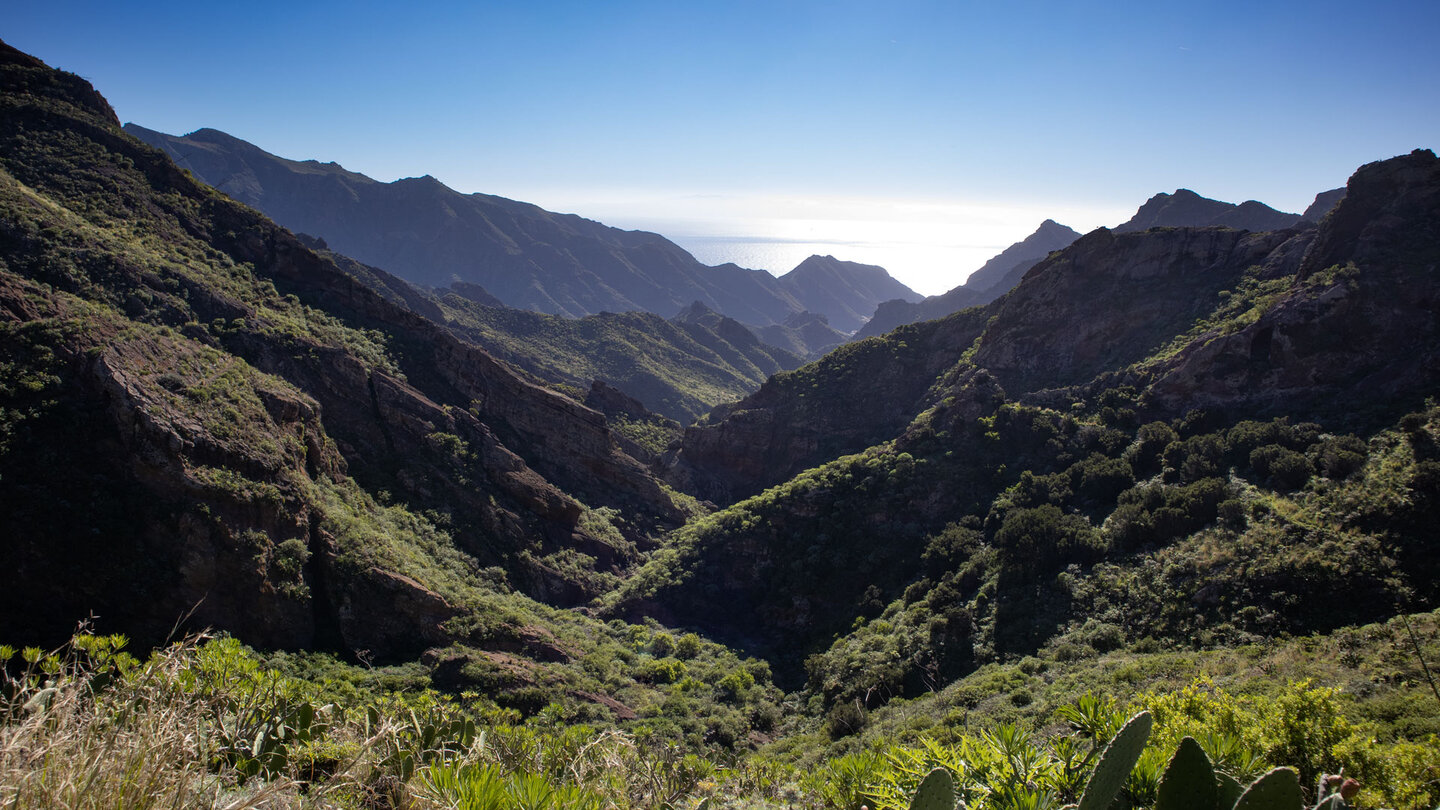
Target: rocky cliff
<point x="1359" y="317"/>
<point x="1112" y="299"/>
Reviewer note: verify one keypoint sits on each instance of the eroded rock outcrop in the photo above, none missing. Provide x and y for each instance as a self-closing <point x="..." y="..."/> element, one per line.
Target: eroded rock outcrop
<point x="1360" y="316"/>
<point x="1112" y="299"/>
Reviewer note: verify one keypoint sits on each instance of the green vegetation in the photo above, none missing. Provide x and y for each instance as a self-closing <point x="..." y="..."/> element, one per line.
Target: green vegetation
<point x="678" y="370"/>
<point x="207" y="723"/>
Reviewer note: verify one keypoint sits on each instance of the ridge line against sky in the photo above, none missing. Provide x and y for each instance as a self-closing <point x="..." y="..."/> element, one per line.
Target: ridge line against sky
<point x="857" y="125"/>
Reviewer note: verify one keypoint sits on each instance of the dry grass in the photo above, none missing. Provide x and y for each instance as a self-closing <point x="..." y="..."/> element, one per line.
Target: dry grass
<point x="90" y="727"/>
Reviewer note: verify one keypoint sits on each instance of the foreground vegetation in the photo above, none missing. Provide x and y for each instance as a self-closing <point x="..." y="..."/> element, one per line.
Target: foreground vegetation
<point x="209" y="723"/>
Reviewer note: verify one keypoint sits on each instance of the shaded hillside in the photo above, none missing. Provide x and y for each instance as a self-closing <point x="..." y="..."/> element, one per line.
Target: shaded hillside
<point x="857" y="395"/>
<point x="805" y="334"/>
<point x="1113" y="298"/>
<point x="427" y="233"/>
<point x="677" y="368"/>
<point x="1048" y="238"/>
<point x="1186" y="209"/>
<point x="1132" y="428"/>
<point x="1358" y="318"/>
<point x="845" y="292"/>
<point x="197" y="409"/>
<point x="995" y="278"/>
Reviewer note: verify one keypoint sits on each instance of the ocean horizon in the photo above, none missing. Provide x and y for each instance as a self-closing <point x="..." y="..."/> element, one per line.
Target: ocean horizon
<point x="942" y="267"/>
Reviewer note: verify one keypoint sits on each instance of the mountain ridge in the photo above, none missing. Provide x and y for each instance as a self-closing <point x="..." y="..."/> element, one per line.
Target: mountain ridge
<point x="561" y="264"/>
<point x="1186" y="209"/>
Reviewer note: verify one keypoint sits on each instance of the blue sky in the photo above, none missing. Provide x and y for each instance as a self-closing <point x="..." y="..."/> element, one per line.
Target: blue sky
<point x="709" y="119"/>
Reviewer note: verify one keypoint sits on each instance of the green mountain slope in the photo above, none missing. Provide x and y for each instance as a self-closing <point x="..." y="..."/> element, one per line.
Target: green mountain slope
<point x="199" y="411"/>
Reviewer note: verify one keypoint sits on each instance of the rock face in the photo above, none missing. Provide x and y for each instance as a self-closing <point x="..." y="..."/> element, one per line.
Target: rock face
<point x="1360" y="317"/>
<point x="1325" y="202"/>
<point x="844" y="292"/>
<point x="1186" y="209"/>
<point x="204" y="401"/>
<point x="995" y="278"/>
<point x="1112" y="299"/>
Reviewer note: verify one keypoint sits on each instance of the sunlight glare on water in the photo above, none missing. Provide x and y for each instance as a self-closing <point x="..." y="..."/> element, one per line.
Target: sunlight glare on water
<point x="929" y="246"/>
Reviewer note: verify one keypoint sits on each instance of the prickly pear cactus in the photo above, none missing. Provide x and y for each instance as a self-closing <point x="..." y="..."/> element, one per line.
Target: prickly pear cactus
<point x="1116" y="763"/>
<point x="1189" y="780"/>
<point x="1279" y="789"/>
<point x="1227" y="790"/>
<point x="937" y="792"/>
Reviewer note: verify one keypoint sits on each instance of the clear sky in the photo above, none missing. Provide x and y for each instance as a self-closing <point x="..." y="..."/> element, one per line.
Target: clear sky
<point x="856" y="125"/>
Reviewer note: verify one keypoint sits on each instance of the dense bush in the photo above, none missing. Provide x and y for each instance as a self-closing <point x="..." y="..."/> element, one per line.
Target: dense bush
<point x="1036" y="541"/>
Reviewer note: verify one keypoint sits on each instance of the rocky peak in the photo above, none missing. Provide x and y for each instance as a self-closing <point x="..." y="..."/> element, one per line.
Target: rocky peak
<point x="1389" y="217"/>
<point x="1186" y="209"/>
<point x="1049" y="237"/>
<point x="995" y="278"/>
<point x="22" y="73"/>
<point x="696" y="312"/>
<point x="1324" y="203"/>
<point x="1110" y="299"/>
<point x="1360" y="316"/>
<point x="845" y="292"/>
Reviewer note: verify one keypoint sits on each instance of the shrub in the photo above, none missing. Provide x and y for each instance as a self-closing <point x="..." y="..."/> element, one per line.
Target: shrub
<point x="1036" y="541"/>
<point x="1285" y="469"/>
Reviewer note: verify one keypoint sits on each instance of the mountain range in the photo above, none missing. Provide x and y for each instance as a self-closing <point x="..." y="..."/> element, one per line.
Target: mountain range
<point x="1186" y="335"/>
<point x="1158" y="443"/>
<point x="527" y="257"/>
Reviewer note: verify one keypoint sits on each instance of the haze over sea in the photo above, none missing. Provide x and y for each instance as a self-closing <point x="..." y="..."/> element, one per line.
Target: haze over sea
<point x="930" y="245"/>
